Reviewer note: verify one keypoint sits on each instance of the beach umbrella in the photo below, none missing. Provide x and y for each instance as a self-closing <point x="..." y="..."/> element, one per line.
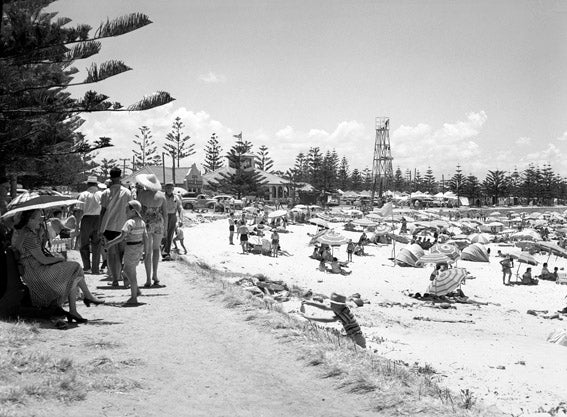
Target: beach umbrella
<point x="526" y="234"/>
<point x="382" y="230"/>
<point x="434" y="258"/>
<point x="332" y="238"/>
<point x="479" y="238"/>
<point x="495" y="213"/>
<point x="447" y="281"/>
<point x="524" y="258"/>
<point x="277" y="213"/>
<point x="448" y="249"/>
<point x="399" y="238"/>
<point x="552" y="248"/>
<point x="365" y="223"/>
<point x="319" y="222"/>
<point x="475" y="252"/>
<point x="300" y="206"/>
<point x="38" y="199"/>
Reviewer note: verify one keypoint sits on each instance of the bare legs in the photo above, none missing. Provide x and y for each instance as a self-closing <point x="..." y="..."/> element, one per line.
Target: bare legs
<point x="151" y="258"/>
<point x="130" y="271"/>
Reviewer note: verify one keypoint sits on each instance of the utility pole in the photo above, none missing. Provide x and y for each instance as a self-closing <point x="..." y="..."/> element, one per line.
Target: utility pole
<point x="124" y="165"/>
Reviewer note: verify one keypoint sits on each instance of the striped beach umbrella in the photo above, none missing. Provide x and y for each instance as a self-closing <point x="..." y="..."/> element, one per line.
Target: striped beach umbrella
<point x="448" y="249"/>
<point x="479" y="238"/>
<point x="447" y="281"/>
<point x="38" y="199"/>
<point x="434" y="258"/>
<point x="332" y="238"/>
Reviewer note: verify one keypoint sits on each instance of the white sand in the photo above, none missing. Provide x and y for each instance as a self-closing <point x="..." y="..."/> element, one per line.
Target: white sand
<point x="503" y="357"/>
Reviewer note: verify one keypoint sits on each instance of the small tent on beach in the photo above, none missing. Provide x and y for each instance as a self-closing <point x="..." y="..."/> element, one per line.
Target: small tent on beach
<point x="475" y="252"/>
<point x="409" y="255"/>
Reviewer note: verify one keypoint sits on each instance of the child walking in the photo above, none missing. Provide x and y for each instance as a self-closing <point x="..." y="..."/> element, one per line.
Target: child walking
<point x="179" y="238"/>
<point x="134" y="234"/>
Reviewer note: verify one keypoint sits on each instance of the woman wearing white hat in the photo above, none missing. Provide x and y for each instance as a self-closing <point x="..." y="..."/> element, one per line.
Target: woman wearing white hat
<point x="154" y="214"/>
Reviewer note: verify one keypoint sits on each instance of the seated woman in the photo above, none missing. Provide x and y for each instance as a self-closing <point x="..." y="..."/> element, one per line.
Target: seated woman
<point x="527" y="278"/>
<point x="359" y="250"/>
<point x="336" y="268"/>
<point x="322" y="267"/>
<point x="546" y="274"/>
<point x="326" y="254"/>
<point x="51" y="280"/>
<point x="316" y="253"/>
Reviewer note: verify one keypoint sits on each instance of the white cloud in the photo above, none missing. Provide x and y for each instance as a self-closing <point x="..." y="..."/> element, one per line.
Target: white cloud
<point x="523" y="141"/>
<point x="563" y="137"/>
<point x="212" y="78"/>
<point x="442" y="149"/>
<point x="551" y="155"/>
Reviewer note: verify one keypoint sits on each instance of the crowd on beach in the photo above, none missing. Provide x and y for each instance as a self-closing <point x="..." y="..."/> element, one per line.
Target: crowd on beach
<point x="115" y="228"/>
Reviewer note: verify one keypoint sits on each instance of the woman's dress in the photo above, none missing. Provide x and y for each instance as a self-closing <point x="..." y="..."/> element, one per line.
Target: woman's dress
<point x="48" y="284"/>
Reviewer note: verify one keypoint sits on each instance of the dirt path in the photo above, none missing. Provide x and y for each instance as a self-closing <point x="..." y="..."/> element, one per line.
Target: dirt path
<point x="197" y="358"/>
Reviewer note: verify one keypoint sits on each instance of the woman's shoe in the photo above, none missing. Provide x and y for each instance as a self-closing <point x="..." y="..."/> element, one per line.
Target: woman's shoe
<point x="71" y="318"/>
<point x="88" y="302"/>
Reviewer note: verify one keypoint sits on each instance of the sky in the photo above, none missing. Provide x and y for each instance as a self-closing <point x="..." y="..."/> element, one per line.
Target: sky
<point x="477" y="84"/>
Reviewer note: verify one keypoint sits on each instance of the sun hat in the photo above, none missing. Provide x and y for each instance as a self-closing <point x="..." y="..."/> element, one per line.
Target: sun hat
<point x="92" y="179"/>
<point x="148" y="182"/>
<point x="338" y="299"/>
<point x="136" y="206"/>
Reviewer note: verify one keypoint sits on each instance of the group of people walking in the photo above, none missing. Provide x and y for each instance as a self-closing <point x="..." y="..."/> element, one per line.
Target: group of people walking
<point x="124" y="225"/>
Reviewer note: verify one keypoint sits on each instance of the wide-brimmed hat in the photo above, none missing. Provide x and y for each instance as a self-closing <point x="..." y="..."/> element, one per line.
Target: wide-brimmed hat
<point x="136" y="206"/>
<point x="338" y="299"/>
<point x="148" y="182"/>
<point x="92" y="179"/>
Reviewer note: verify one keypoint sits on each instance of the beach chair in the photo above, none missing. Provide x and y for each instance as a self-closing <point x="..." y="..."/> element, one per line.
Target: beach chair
<point x="561" y="278"/>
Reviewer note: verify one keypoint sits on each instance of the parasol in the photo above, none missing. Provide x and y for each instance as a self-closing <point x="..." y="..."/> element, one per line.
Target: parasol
<point x="479" y="238"/>
<point x="447" y="281"/>
<point x="434" y="258"/>
<point x="552" y="248"/>
<point x="277" y="213"/>
<point x="364" y="222"/>
<point x="332" y="238"/>
<point x="38" y="199"/>
<point x="319" y="222"/>
<point x="448" y="249"/>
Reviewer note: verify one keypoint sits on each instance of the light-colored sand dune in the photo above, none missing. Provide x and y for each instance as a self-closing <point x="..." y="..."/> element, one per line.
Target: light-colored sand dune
<point x="500" y="353"/>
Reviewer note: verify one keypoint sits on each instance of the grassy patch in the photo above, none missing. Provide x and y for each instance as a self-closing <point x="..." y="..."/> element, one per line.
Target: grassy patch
<point x="395" y="388"/>
<point x="33" y="372"/>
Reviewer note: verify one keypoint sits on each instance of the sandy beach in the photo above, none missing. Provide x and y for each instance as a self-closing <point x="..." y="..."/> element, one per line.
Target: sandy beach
<point x="494" y="349"/>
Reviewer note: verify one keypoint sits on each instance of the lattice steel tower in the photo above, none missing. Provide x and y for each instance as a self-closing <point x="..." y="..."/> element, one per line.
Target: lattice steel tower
<point x="382" y="172"/>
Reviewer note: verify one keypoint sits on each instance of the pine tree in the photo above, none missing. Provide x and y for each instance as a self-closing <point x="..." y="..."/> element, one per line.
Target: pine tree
<point x="37" y="52"/>
<point x="263" y="159"/>
<point x="177" y="145"/>
<point x="301" y="168"/>
<point x="398" y="180"/>
<point x="315" y="163"/>
<point x="356" y="180"/>
<point x="456" y="182"/>
<point x="495" y="185"/>
<point x="105" y="166"/>
<point x="344" y="175"/>
<point x="241" y="180"/>
<point x="213" y="158"/>
<point x="147" y="153"/>
<point x="429" y="181"/>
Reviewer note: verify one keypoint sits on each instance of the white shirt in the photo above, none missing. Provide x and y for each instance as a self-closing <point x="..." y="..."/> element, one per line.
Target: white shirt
<point x="90" y="200"/>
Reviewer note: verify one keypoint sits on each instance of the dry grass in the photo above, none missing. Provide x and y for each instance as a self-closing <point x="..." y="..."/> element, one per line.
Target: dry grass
<point x="34" y="370"/>
<point x="395" y="388"/>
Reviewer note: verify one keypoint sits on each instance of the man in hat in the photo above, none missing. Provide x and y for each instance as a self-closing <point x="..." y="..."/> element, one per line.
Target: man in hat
<point x="174" y="209"/>
<point x="342" y="313"/>
<point x="114" y="201"/>
<point x="89" y="235"/>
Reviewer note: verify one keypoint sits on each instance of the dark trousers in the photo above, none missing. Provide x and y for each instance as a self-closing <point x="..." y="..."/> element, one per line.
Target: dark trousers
<point x="171" y="223"/>
<point x="90" y="242"/>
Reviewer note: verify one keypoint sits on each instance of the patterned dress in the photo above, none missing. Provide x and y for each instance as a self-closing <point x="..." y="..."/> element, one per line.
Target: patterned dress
<point x="153" y="218"/>
<point x="48" y="284"/>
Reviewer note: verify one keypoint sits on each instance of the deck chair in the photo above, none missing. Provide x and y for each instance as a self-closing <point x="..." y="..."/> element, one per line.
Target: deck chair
<point x="266" y="247"/>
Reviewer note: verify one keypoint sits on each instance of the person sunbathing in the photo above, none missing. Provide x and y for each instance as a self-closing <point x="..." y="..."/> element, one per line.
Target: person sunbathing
<point x="337" y="269"/>
<point x="322" y="267"/>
